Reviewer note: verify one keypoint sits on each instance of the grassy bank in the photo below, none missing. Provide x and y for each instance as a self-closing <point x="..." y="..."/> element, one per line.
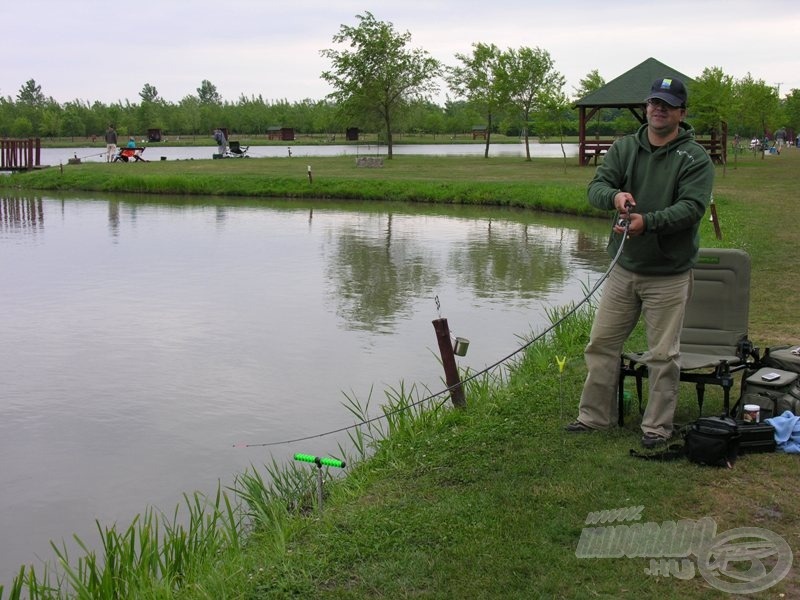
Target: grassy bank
<point x="465" y="180"/>
<point x="490" y="502"/>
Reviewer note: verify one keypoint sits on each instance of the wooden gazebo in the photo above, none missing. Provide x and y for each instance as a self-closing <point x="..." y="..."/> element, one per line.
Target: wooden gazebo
<point x="628" y="91"/>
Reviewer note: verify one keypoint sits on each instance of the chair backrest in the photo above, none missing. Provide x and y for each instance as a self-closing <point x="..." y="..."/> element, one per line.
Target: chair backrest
<point x="234" y="147"/>
<point x="717" y="314"/>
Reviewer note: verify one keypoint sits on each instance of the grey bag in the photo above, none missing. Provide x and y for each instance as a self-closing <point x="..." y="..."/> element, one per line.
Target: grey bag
<point x="771" y="390"/>
<point x="786" y="358"/>
<point x="790" y="400"/>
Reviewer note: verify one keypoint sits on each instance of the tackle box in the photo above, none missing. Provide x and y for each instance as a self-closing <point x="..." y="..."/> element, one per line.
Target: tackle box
<point x="755" y="437"/>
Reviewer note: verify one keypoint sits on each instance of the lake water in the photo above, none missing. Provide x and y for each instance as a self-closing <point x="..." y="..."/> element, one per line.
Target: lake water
<point x="143" y="340"/>
<point x="55" y="156"/>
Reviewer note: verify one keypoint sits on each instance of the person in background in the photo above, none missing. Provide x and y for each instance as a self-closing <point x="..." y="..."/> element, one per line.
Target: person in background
<point x="780" y="139"/>
<point x="222" y="143"/>
<point x="111" y="143"/>
<point x="659" y="182"/>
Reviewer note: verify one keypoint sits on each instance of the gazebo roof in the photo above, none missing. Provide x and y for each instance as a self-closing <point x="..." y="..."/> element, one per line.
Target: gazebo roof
<point x="632" y="87"/>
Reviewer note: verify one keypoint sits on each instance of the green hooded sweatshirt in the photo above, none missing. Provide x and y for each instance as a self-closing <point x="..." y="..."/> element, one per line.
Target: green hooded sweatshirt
<point x="672" y="187"/>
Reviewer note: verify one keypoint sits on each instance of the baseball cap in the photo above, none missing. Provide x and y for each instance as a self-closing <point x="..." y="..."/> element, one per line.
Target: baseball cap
<point x="670" y="90"/>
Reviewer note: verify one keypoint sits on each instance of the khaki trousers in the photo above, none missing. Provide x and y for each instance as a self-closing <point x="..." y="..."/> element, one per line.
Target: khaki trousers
<point x="661" y="301"/>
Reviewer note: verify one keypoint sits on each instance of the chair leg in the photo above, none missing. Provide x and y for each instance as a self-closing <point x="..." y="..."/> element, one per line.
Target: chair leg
<point x="621" y="394"/>
<point x="727" y="384"/>
<point x="701" y="395"/>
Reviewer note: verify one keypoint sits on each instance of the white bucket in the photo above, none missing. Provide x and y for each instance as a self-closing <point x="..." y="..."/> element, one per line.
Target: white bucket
<point x="751" y="413"/>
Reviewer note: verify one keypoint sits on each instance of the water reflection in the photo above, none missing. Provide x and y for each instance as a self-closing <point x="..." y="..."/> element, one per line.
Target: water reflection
<point x="513" y="259"/>
<point x="21" y="213"/>
<point x="113" y="218"/>
<point x="376" y="272"/>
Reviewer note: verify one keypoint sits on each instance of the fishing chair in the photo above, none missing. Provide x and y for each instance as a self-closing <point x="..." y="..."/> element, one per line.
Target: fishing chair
<point x="236" y="150"/>
<point x="714" y="344"/>
<point x="129" y="154"/>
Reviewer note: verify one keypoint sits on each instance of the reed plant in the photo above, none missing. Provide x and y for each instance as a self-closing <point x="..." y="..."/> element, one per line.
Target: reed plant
<point x="151" y="558"/>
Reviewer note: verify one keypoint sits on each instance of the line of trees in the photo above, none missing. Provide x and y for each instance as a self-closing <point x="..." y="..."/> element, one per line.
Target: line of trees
<point x="382" y="85"/>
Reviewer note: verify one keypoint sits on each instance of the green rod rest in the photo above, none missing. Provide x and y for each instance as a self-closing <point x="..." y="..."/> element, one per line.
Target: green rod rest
<point x="320" y="461"/>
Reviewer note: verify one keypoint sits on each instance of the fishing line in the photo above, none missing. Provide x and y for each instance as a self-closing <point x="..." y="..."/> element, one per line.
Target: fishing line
<point x="623" y="223"/>
<point x="89" y="155"/>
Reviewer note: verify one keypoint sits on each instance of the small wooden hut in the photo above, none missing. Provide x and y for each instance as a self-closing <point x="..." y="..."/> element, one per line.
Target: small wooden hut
<point x="285" y="134"/>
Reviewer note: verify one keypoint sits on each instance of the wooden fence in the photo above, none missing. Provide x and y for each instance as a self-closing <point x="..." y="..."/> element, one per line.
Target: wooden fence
<point x="20" y="154"/>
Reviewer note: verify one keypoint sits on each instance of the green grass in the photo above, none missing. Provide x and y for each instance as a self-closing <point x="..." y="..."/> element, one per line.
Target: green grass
<point x="488" y="502"/>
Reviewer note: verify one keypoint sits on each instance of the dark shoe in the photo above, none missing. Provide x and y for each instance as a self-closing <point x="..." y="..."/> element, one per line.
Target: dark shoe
<point x="577" y="427"/>
<point x="653" y="440"/>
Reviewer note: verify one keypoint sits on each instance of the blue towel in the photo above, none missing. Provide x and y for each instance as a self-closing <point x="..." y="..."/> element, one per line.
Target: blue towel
<point x="787" y="432"/>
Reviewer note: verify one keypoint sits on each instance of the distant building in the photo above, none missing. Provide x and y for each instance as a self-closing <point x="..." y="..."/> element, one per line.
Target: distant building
<point x="285" y="134"/>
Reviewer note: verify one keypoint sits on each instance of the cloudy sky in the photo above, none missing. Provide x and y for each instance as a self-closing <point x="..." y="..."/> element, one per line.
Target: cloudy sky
<point x="107" y="50"/>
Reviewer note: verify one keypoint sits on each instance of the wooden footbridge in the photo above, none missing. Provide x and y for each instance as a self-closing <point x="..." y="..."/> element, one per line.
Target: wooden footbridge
<point x="20" y="155"/>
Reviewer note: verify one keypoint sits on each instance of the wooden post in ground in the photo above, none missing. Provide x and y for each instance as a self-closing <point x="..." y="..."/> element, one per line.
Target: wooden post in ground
<point x="449" y="363"/>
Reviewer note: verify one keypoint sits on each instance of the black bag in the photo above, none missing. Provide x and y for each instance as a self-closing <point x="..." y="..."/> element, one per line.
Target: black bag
<point x="713" y="441"/>
<point x="756" y="437"/>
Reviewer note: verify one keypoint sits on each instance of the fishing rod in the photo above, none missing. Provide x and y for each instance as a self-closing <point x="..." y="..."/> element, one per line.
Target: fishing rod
<point x="78" y="159"/>
<point x="621" y="221"/>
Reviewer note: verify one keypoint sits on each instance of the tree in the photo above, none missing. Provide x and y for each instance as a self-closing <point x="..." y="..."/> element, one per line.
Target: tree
<point x="190" y="118"/>
<point x="51" y="122"/>
<point x="712" y="102"/>
<point x="530" y="81"/>
<point x="380" y="75"/>
<point x="551" y="113"/>
<point x="791" y="107"/>
<point x="458" y="116"/>
<point x="207" y="92"/>
<point x="758" y="104"/>
<point x="149" y="93"/>
<point x="73" y="124"/>
<point x="711" y="97"/>
<point x="31" y="94"/>
<point x="591" y="83"/>
<point x="22" y="127"/>
<point x="479" y="79"/>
